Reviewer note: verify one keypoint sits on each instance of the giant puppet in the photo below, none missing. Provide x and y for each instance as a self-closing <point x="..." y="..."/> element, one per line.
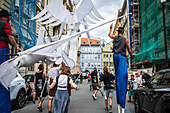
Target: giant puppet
<point x="55" y="13"/>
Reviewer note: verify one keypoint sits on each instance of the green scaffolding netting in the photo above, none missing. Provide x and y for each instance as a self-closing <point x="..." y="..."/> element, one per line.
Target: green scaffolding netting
<point x="152" y="33"/>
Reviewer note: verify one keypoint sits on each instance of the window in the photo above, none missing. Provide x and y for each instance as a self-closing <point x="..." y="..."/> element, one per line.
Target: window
<point x="156" y="80"/>
<point x="92" y="64"/>
<point x="82" y="49"/>
<point x="31" y="68"/>
<point x="90" y="42"/>
<point x="95" y="56"/>
<point x="84" y="42"/>
<point x="99" y="49"/>
<point x="166" y="79"/>
<point x="88" y="64"/>
<point x="82" y="64"/>
<point x="106" y="55"/>
<point x="82" y="56"/>
<point x="97" y="42"/>
<point x="106" y="63"/>
<point x="98" y="64"/>
<point x="98" y="56"/>
<point x="110" y="55"/>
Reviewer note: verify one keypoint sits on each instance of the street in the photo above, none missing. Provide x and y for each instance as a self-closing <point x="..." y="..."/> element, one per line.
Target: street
<point x="81" y="102"/>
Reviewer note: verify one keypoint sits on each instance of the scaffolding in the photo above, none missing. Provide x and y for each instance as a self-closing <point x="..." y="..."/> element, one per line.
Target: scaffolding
<point x="22" y="11"/>
<point x="135" y="27"/>
<point x="152" y="38"/>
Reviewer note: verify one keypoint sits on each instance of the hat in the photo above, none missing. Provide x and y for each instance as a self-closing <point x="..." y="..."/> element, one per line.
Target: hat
<point x="121" y="29"/>
<point x="4" y="13"/>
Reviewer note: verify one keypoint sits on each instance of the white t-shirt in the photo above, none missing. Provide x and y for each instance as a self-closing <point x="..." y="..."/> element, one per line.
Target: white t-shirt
<point x="53" y="73"/>
<point x="62" y="81"/>
<point x="136" y="82"/>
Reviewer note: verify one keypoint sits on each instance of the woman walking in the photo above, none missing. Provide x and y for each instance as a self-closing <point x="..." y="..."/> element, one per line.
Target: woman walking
<point x="62" y="84"/>
<point x="39" y="80"/>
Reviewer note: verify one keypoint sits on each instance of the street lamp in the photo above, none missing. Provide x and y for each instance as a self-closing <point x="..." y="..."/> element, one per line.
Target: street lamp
<point x="166" y="53"/>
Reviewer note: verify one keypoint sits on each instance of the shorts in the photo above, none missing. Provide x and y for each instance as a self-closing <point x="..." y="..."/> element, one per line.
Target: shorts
<point x="95" y="86"/>
<point x="108" y="93"/>
<point x="131" y="93"/>
<point x="38" y="93"/>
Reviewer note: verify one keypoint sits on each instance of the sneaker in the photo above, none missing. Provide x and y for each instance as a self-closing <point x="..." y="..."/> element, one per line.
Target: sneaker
<point x="110" y="110"/>
<point x="106" y="110"/>
<point x="94" y="96"/>
<point x="129" y="101"/>
<point x="49" y="112"/>
<point x="33" y="102"/>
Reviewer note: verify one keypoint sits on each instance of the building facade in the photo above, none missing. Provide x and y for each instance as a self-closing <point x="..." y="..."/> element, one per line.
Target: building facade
<point x="91" y="55"/>
<point x="107" y="56"/>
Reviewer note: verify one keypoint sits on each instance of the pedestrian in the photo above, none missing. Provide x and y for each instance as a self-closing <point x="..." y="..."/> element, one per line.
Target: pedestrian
<point x="145" y="76"/>
<point x="39" y="80"/>
<point x="6" y="37"/>
<point x="130" y="88"/>
<point x="62" y="84"/>
<point x="77" y="81"/>
<point x="138" y="80"/>
<point x="30" y="91"/>
<point x="95" y="82"/>
<point x="108" y="80"/>
<point x="53" y="73"/>
<point x="120" y="44"/>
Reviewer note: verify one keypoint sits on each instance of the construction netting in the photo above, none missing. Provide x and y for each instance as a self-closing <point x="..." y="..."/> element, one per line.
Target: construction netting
<point x="21" y="13"/>
<point x="152" y="33"/>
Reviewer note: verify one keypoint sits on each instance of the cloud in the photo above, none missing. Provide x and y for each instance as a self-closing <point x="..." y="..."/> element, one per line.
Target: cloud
<point x="109" y="10"/>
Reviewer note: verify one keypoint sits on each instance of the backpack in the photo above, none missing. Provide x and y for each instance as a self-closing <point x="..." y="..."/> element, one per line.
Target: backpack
<point x="68" y="84"/>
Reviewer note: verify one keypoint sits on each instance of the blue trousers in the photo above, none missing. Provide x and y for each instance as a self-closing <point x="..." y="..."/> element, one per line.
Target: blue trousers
<point x="4" y="58"/>
<point x="121" y="77"/>
<point x="5" y="103"/>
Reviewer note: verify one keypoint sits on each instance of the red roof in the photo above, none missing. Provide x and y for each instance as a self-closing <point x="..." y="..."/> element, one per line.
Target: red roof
<point x="84" y="41"/>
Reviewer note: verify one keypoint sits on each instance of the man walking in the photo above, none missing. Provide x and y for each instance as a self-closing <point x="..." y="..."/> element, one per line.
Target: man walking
<point x="95" y="84"/>
<point x="120" y="44"/>
<point x="108" y="80"/>
<point x="53" y="72"/>
<point x="6" y="38"/>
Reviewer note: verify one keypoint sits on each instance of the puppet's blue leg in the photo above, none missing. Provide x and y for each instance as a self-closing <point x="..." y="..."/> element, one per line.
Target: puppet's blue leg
<point x="121" y="79"/>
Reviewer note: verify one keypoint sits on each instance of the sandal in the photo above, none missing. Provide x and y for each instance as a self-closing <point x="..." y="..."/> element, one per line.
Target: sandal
<point x="40" y="108"/>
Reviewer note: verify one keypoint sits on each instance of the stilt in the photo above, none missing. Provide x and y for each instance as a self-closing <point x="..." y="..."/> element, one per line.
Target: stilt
<point x="118" y="108"/>
<point x="123" y="110"/>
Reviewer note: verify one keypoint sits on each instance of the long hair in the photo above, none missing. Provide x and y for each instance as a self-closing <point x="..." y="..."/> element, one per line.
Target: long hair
<point x="105" y="69"/>
<point x="66" y="70"/>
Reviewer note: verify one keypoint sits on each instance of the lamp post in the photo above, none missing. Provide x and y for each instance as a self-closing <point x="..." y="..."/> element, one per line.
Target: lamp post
<point x="166" y="52"/>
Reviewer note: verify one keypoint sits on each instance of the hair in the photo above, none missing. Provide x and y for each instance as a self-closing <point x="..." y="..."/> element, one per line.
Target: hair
<point x="105" y="69"/>
<point x="66" y="70"/>
<point x="141" y="72"/>
<point x="120" y="32"/>
<point x="132" y="75"/>
<point x="41" y="66"/>
<point x="55" y="64"/>
<point x="137" y="74"/>
<point x="95" y="69"/>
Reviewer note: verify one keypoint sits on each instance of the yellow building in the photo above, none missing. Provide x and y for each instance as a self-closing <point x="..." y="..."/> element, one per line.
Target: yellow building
<point x="107" y="56"/>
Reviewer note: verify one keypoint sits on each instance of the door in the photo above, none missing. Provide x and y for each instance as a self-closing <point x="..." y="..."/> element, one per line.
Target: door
<point x="151" y="94"/>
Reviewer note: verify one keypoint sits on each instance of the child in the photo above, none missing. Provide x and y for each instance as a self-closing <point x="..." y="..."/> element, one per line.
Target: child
<point x="130" y="87"/>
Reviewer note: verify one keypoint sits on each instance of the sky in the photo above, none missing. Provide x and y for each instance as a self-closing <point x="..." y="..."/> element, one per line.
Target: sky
<point x="109" y="10"/>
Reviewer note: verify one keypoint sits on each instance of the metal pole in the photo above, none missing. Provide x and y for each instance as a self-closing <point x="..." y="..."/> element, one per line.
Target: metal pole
<point x="166" y="53"/>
